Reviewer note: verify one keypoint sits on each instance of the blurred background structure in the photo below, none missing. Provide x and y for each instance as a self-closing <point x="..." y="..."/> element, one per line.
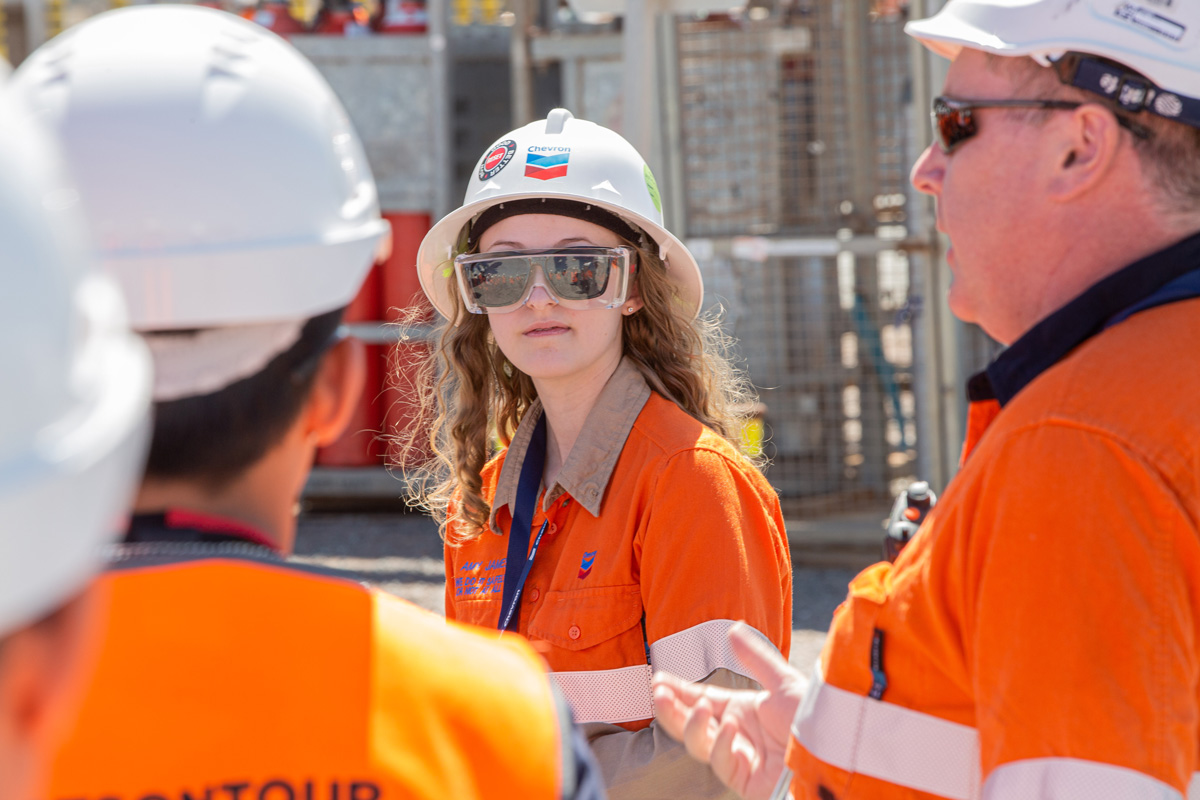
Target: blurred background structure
<point x="781" y="134"/>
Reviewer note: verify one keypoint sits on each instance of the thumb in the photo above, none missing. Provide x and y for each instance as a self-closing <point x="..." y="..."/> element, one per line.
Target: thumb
<point x="760" y="657"/>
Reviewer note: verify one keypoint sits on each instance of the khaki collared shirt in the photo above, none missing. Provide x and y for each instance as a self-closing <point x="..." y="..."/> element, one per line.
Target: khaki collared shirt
<point x="589" y="466"/>
<point x="659" y="535"/>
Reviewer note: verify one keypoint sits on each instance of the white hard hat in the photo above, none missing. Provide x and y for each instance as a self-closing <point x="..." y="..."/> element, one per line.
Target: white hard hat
<point x="223" y="181"/>
<point x="75" y="421"/>
<point x="558" y="159"/>
<point x="1159" y="41"/>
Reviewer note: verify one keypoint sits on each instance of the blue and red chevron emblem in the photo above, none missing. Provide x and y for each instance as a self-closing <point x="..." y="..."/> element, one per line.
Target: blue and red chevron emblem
<point x="585" y="566"/>
<point x="545" y="166"/>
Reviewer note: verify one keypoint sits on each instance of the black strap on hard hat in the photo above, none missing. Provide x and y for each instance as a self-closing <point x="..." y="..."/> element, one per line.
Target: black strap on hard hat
<point x="558" y="207"/>
<point x="1130" y="90"/>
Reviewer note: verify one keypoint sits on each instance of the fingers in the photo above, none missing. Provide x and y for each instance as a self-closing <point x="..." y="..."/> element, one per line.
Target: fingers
<point x="671" y="708"/>
<point x="688" y="693"/>
<point x="765" y="663"/>
<point x="699" y="731"/>
<point x="734" y="759"/>
<point x="684" y="711"/>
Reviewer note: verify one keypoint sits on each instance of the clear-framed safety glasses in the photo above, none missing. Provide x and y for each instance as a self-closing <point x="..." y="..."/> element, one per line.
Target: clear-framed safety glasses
<point x="579" y="278"/>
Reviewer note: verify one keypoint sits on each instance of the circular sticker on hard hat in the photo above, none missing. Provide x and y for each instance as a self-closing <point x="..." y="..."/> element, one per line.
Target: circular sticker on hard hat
<point x="497" y="159"/>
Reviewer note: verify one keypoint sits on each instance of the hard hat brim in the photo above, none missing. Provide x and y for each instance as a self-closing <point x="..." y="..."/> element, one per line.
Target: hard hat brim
<point x="321" y="276"/>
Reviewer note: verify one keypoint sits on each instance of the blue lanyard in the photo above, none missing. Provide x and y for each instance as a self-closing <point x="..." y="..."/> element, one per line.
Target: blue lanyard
<point x="522" y="526"/>
<point x="509" y="623"/>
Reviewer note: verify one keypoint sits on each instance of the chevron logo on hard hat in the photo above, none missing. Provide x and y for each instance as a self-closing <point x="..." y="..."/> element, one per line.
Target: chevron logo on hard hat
<point x="546" y="166"/>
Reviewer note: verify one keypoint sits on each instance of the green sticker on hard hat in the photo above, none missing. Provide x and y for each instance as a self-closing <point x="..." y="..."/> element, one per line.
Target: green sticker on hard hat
<point x="652" y="187"/>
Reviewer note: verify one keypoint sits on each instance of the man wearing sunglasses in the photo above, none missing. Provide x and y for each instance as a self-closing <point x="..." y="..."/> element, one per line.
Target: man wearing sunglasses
<point x="1040" y="637"/>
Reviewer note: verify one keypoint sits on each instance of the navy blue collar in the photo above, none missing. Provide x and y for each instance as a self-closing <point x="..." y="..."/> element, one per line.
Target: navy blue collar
<point x="1048" y="342"/>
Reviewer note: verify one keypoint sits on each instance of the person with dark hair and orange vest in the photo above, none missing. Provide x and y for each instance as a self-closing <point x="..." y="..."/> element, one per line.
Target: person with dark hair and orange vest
<point x="229" y="194"/>
<point x="618" y="525"/>
<point x="74" y="426"/>
<point x="1039" y="637"/>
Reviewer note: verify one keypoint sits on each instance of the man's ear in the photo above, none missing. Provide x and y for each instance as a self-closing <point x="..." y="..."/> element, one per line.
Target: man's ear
<point x="336" y="390"/>
<point x="42" y="669"/>
<point x="1087" y="150"/>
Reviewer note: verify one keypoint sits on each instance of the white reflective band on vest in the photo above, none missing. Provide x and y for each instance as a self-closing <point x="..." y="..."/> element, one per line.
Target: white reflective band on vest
<point x="623" y="695"/>
<point x="920" y="751"/>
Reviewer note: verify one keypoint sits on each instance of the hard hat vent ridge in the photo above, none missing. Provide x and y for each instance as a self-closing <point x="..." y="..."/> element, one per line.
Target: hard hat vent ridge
<point x="557" y="121"/>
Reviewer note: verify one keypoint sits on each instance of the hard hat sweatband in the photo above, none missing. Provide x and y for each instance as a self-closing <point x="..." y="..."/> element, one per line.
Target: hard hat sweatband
<point x="561" y="208"/>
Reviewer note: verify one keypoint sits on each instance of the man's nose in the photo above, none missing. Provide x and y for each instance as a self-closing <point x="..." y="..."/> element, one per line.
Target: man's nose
<point x="927" y="173"/>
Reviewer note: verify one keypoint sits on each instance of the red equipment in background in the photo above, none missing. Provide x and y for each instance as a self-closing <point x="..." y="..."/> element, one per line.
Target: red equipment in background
<point x="389" y="291"/>
<point x="277" y="17"/>
<point x="403" y="16"/>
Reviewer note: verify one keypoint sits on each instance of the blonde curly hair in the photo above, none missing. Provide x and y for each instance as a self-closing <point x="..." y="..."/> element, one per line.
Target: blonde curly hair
<point x="465" y="395"/>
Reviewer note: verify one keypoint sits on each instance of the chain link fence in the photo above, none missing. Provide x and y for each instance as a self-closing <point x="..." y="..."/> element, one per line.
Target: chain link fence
<point x="795" y="127"/>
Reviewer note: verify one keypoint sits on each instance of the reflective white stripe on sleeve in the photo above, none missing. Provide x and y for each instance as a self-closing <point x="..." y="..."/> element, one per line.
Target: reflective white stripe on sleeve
<point x="608" y="695"/>
<point x="623" y="695"/>
<point x="888" y="742"/>
<point x="696" y="652"/>
<point x="920" y="751"/>
<point x="1073" y="779"/>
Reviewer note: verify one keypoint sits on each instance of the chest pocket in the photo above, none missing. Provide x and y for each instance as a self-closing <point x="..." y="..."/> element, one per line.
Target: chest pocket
<point x="583" y="618"/>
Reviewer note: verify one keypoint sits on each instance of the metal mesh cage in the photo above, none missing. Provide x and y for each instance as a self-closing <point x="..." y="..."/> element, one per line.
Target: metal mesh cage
<point x="795" y="128"/>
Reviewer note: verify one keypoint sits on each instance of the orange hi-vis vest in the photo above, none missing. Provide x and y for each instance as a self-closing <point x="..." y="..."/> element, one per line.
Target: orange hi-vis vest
<point x="1039" y="638"/>
<point x="242" y="678"/>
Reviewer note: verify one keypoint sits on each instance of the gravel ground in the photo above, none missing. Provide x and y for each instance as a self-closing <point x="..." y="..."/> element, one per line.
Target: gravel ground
<point x="402" y="554"/>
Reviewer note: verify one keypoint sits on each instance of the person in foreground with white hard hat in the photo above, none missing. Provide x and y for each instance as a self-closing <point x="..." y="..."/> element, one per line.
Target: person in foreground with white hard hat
<point x="619" y="525"/>
<point x="73" y="436"/>
<point x="228" y="192"/>
<point x="1040" y="636"/>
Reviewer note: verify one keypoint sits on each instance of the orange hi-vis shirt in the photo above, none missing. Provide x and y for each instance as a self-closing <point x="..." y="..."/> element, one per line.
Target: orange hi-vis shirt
<point x="243" y="678"/>
<point x="661" y="535"/>
<point x="1039" y="638"/>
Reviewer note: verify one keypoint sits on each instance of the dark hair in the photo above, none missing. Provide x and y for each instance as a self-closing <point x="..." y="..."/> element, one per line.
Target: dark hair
<point x="214" y="438"/>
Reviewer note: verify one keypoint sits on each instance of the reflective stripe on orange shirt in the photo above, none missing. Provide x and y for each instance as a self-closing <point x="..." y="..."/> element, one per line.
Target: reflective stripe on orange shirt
<point x="919" y="751"/>
<point x="623" y="695"/>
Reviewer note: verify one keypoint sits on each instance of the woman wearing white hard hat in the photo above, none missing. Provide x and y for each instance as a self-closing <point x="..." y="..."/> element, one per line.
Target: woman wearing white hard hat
<point x="73" y="437"/>
<point x="617" y="525"/>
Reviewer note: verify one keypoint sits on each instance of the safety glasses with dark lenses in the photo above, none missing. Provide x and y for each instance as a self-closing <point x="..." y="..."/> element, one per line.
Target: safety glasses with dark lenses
<point x="576" y="277"/>
<point x="954" y="120"/>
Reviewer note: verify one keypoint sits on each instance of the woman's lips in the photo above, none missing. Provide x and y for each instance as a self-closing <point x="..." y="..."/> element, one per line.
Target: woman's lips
<point x="546" y="329"/>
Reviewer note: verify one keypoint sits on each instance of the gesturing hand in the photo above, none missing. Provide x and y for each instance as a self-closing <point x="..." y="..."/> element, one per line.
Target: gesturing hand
<point x="742" y="734"/>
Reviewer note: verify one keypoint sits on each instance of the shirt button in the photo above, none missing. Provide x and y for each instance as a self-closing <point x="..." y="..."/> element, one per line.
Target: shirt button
<point x="574" y="632"/>
<point x="534" y="595"/>
<point x="553" y="528"/>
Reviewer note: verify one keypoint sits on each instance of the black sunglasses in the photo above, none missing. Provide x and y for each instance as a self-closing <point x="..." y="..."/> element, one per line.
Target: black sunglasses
<point x="954" y="122"/>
